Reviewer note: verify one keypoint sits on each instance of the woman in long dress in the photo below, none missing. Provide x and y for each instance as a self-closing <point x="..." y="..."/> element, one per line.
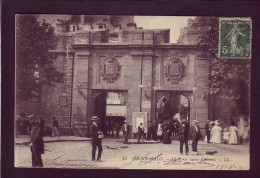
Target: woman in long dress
<point x="216" y="133"/>
<point x="233" y="134"/>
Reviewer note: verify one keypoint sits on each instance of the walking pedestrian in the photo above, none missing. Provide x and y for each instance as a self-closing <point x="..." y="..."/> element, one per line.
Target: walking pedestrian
<point x="55" y="125"/>
<point x="36" y="141"/>
<point x="126" y="131"/>
<point x="183" y="133"/>
<point x="195" y="136"/>
<point x="141" y="133"/>
<point x="96" y="138"/>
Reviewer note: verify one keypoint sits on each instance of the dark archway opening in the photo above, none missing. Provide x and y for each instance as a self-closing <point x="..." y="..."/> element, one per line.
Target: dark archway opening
<point x="176" y="103"/>
<point x="110" y="107"/>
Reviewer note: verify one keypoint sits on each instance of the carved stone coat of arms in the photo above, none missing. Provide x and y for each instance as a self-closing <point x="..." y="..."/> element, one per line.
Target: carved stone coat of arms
<point x="174" y="70"/>
<point x="110" y="69"/>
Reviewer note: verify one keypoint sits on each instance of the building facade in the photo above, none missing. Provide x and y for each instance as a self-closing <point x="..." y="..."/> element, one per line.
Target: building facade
<point x="116" y="70"/>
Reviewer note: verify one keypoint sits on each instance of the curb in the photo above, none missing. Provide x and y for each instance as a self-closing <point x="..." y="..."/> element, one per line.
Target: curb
<point x="51" y="141"/>
<point x="129" y="143"/>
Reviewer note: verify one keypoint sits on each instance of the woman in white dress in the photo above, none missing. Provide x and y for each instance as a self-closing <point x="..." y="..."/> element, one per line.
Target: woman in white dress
<point x="216" y="133"/>
<point x="233" y="134"/>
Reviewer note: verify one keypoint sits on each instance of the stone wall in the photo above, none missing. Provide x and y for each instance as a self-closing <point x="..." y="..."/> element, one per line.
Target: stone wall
<point x="55" y="101"/>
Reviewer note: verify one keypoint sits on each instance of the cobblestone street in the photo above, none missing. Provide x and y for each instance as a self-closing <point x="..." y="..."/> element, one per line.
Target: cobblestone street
<point x="77" y="154"/>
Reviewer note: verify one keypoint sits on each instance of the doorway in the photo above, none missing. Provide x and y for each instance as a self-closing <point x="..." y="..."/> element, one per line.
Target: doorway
<point x="177" y="102"/>
<point x="110" y="107"/>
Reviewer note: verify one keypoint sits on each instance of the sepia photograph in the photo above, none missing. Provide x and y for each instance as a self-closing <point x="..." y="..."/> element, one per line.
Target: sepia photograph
<point x="132" y="92"/>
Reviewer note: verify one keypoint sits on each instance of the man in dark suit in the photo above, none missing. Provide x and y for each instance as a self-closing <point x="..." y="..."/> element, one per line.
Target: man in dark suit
<point x="183" y="132"/>
<point x="96" y="138"/>
<point x="36" y="141"/>
<point x="195" y="136"/>
<point x="207" y="127"/>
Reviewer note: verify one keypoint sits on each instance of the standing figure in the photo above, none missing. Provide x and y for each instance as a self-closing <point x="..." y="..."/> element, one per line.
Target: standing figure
<point x="126" y="131"/>
<point x="177" y="116"/>
<point x="118" y="128"/>
<point x="55" y="126"/>
<point x="149" y="131"/>
<point x="17" y="126"/>
<point x="159" y="131"/>
<point x="23" y="124"/>
<point x="111" y="129"/>
<point x="207" y="127"/>
<point x="183" y="132"/>
<point x="233" y="133"/>
<point x="166" y="133"/>
<point x="216" y="133"/>
<point x="106" y="130"/>
<point x="30" y="124"/>
<point x="195" y="136"/>
<point x="96" y="138"/>
<point x="141" y="133"/>
<point x="155" y="128"/>
<point x="176" y="125"/>
<point x="36" y="141"/>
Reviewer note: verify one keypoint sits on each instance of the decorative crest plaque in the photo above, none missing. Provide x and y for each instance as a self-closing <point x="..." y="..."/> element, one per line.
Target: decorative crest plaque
<point x="174" y="70"/>
<point x="110" y="69"/>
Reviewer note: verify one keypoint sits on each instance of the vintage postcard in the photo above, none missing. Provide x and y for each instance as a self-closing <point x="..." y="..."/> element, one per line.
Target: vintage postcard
<point x="132" y="92"/>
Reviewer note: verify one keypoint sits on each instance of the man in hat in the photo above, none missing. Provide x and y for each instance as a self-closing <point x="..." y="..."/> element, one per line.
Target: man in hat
<point x="96" y="138"/>
<point x="207" y="127"/>
<point x="183" y="132"/>
<point x="195" y="136"/>
<point x="126" y="131"/>
<point x="149" y="131"/>
<point x="36" y="141"/>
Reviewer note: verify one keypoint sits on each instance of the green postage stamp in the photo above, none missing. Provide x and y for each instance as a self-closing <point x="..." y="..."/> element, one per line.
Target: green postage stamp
<point x="235" y="38"/>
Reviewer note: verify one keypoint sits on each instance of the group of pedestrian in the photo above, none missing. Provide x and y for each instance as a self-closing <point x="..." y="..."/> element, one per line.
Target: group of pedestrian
<point x="111" y="128"/>
<point x="24" y="125"/>
<point x="215" y="133"/>
<point x="185" y="131"/>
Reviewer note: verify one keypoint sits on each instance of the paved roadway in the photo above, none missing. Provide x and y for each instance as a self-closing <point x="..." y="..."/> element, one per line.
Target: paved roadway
<point x="77" y="154"/>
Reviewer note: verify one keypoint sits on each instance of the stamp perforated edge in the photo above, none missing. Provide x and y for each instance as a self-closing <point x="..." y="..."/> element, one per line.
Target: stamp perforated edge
<point x="250" y="38"/>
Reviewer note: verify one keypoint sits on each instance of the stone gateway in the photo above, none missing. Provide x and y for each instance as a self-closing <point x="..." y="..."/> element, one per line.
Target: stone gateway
<point x="114" y="68"/>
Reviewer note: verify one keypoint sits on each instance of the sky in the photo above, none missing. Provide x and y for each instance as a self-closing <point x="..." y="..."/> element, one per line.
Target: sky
<point x="174" y="23"/>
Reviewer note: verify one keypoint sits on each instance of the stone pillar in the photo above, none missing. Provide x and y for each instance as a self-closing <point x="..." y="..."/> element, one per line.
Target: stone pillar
<point x="147" y="83"/>
<point x="141" y="88"/>
<point x="80" y="93"/>
<point x="200" y="103"/>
